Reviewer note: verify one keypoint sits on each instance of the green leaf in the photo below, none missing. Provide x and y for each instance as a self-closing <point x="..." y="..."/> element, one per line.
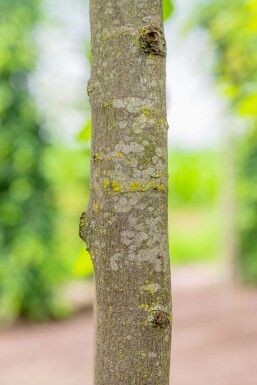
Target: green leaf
<point x="167" y="9"/>
<point x="85" y="134"/>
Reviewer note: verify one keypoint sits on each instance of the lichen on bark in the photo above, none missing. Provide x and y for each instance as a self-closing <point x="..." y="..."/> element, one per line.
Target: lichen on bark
<point x="125" y="225"/>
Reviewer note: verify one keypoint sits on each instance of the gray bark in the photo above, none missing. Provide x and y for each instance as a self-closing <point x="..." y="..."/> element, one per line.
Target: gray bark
<point x="125" y="226"/>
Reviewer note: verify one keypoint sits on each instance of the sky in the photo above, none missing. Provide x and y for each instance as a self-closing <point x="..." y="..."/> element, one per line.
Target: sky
<point x="195" y="111"/>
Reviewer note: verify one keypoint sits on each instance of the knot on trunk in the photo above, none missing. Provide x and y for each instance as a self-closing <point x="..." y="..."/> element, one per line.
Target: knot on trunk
<point x="159" y="317"/>
<point x="86" y="230"/>
<point x="151" y="40"/>
<point x="90" y="89"/>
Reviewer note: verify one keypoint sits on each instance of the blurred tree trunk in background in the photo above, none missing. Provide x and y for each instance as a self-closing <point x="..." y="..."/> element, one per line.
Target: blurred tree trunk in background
<point x="125" y="225"/>
<point x="230" y="207"/>
<point x="231" y="27"/>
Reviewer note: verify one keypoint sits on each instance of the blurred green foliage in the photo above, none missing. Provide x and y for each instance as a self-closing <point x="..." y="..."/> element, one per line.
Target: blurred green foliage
<point x="68" y="174"/>
<point x="44" y="188"/>
<point x="29" y="271"/>
<point x="194" y="188"/>
<point x="232" y="29"/>
<point x="167" y="9"/>
<point x="194" y="178"/>
<point x="85" y="134"/>
<point x="194" y="234"/>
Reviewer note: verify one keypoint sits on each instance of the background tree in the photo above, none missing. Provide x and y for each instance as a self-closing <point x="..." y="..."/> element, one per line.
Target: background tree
<point x="232" y="30"/>
<point x="125" y="226"/>
<point x="28" y="270"/>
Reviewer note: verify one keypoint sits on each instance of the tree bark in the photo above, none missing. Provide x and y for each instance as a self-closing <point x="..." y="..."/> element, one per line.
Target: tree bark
<point x="125" y="226"/>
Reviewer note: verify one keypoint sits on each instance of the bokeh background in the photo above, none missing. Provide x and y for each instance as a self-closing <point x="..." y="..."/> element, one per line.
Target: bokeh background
<point x="46" y="275"/>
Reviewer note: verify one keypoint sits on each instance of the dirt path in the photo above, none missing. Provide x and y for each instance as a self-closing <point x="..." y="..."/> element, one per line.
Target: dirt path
<point x="214" y="341"/>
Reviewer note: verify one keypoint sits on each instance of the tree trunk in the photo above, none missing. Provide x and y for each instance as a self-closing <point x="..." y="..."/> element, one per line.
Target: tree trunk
<point x="125" y="226"/>
<point x="230" y="193"/>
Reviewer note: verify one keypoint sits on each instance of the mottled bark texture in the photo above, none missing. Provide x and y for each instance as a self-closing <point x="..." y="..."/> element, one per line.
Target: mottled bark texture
<point x="125" y="225"/>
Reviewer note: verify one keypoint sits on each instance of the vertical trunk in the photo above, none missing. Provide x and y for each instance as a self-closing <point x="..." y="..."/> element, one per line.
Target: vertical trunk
<point x="125" y="225"/>
<point x="231" y="236"/>
<point x="232" y="215"/>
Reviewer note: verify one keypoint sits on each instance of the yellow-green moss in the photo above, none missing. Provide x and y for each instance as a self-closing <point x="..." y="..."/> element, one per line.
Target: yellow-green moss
<point x="136" y="186"/>
<point x="96" y="208"/>
<point x="107" y="104"/>
<point x="156" y="186"/>
<point x="145" y="111"/>
<point x="98" y="156"/>
<point x="115" y="186"/>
